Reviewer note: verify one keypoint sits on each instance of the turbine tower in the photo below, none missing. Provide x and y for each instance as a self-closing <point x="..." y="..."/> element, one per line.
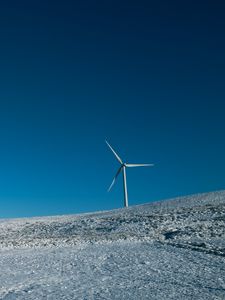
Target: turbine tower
<point x="123" y="167"/>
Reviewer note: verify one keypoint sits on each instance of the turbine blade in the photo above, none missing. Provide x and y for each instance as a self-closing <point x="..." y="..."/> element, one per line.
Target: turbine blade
<point x="114" y="179"/>
<point x="138" y="165"/>
<point x="114" y="152"/>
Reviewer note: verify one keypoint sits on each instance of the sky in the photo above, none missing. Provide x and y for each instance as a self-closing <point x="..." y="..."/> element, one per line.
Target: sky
<point x="148" y="76"/>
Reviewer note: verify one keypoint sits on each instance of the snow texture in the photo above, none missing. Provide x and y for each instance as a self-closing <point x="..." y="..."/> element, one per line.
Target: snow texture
<point x="171" y="249"/>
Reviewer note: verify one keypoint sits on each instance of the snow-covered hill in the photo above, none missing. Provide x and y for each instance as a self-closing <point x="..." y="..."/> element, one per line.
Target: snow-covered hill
<point x="172" y="249"/>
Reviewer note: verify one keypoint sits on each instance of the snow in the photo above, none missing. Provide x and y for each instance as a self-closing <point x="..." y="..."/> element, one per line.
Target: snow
<point x="171" y="249"/>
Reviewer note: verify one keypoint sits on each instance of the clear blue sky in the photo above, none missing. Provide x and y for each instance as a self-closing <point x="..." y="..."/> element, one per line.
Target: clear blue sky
<point x="147" y="75"/>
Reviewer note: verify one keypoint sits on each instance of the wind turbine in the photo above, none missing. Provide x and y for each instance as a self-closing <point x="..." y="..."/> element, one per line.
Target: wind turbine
<point x="123" y="167"/>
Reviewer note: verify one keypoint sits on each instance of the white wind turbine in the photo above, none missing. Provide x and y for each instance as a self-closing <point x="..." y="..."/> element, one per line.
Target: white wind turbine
<point x="123" y="167"/>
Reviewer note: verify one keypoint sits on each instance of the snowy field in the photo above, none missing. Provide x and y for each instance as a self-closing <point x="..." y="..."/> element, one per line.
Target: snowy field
<point x="172" y="249"/>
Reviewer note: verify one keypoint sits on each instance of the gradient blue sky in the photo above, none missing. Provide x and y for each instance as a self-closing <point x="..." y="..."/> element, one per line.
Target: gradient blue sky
<point x="147" y="75"/>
